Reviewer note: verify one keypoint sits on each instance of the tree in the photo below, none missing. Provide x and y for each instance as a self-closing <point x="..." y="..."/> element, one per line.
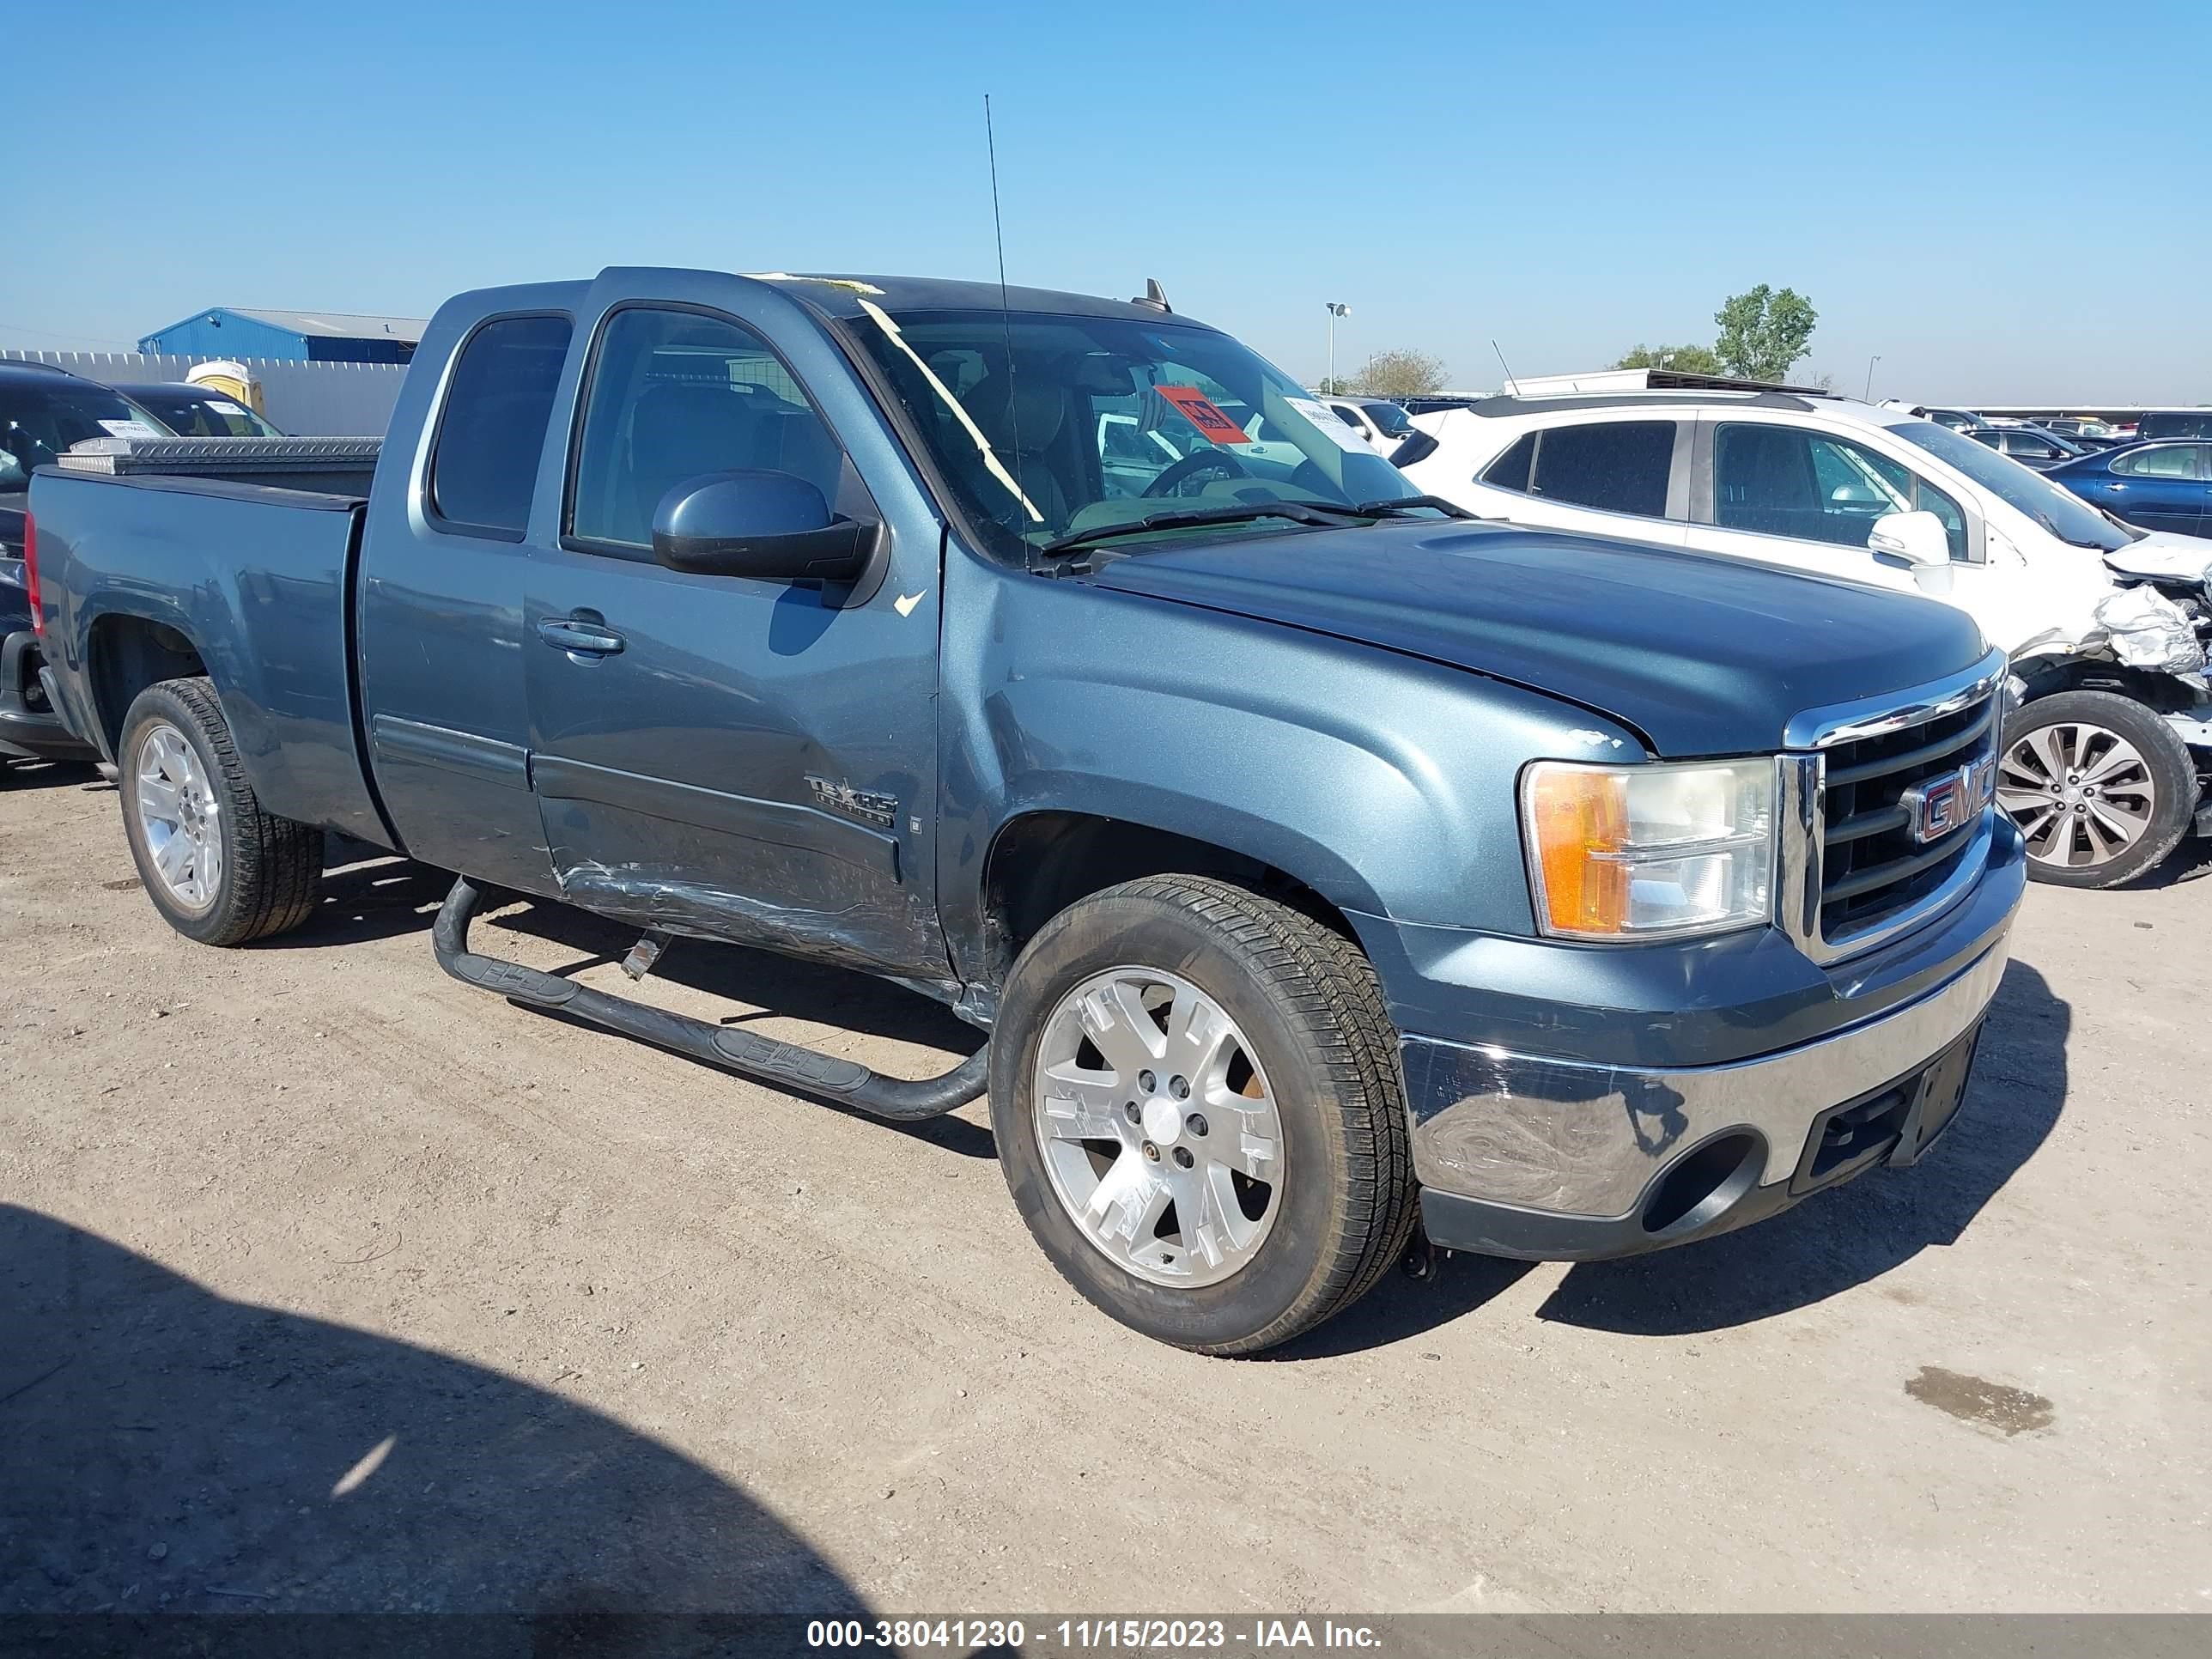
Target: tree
<point x="1763" y="332"/>
<point x="1335" y="388"/>
<point x="1400" y="373"/>
<point x="1683" y="359"/>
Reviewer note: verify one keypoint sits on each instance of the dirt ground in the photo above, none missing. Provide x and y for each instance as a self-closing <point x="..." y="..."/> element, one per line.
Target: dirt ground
<point x="326" y="1283"/>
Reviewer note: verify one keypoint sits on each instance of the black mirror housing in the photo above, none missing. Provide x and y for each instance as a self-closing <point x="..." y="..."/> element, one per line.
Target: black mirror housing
<point x="772" y="526"/>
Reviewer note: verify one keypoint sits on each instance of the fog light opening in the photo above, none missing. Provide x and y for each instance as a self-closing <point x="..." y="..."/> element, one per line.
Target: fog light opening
<point x="1703" y="1184"/>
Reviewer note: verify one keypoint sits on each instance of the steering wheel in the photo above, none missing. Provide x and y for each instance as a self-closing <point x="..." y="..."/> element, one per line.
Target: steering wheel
<point x="1199" y="460"/>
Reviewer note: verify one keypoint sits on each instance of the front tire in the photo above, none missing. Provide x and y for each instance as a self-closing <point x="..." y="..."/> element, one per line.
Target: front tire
<point x="2101" y="788"/>
<point x="1195" y="1095"/>
<point x="218" y="868"/>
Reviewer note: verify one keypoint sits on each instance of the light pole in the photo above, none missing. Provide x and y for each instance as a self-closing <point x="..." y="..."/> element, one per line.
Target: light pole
<point x="1336" y="308"/>
<point x="1868" y="397"/>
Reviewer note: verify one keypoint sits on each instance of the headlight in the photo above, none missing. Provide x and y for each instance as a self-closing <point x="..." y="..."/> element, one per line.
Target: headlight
<point x="1649" y="851"/>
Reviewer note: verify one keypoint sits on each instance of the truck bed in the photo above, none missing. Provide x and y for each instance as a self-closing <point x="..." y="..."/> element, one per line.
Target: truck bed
<point x="257" y="581"/>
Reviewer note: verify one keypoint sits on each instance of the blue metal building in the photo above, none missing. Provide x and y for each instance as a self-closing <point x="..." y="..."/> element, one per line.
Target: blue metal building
<point x="321" y="337"/>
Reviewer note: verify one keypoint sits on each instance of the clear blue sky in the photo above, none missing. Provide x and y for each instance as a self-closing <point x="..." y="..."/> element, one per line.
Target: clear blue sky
<point x="2007" y="201"/>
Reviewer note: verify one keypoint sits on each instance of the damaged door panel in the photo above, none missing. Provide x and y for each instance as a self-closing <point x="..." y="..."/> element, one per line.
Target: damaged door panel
<point x="721" y="756"/>
<point x="679" y="859"/>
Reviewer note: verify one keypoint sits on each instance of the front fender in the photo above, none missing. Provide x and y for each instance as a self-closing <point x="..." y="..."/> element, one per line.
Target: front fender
<point x="1384" y="782"/>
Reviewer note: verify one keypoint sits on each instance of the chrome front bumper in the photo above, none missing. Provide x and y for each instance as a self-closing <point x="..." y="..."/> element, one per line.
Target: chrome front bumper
<point x="1576" y="1139"/>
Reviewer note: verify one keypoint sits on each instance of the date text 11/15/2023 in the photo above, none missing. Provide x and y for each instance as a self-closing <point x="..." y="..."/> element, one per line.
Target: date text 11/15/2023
<point x="1091" y="1635"/>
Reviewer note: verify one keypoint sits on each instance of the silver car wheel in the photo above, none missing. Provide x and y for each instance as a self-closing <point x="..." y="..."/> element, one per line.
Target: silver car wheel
<point x="179" y="817"/>
<point x="2081" y="794"/>
<point x="1158" y="1126"/>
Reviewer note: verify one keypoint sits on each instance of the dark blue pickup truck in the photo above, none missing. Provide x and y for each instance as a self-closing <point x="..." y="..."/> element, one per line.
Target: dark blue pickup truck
<point x="1323" y="866"/>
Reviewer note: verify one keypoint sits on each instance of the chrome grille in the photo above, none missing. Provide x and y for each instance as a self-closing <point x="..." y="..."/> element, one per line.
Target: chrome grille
<point x="1862" y="860"/>
<point x="1873" y="867"/>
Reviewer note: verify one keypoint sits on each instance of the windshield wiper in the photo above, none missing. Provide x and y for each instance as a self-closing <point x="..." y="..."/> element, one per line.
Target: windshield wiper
<point x="1314" y="513"/>
<point x="1407" y="503"/>
<point x="2052" y="525"/>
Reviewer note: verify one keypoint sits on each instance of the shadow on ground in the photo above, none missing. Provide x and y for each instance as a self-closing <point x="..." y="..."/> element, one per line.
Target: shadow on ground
<point x="163" y="1450"/>
<point x="20" y="774"/>
<point x="2190" y="861"/>
<point x="1401" y="1308"/>
<point x="1834" y="1240"/>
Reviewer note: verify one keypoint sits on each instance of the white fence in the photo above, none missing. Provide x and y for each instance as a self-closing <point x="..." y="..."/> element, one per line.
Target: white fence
<point x="308" y="400"/>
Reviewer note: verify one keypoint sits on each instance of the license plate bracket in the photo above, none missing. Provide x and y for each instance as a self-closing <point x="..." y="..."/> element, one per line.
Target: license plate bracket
<point x="1897" y="1124"/>
<point x="1936" y="1103"/>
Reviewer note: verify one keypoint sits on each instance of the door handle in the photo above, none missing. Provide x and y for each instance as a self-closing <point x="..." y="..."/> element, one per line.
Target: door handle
<point x="587" y="638"/>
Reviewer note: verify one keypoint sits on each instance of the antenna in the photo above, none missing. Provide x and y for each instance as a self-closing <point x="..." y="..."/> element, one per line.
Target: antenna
<point x="1006" y="310"/>
<point x="1511" y="385"/>
<point x="998" y="225"/>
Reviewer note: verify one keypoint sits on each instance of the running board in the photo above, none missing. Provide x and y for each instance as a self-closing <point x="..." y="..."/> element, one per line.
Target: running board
<point x="786" y="1065"/>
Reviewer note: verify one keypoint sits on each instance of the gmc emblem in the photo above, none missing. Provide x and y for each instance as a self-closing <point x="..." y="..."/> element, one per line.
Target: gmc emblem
<point x="1934" y="809"/>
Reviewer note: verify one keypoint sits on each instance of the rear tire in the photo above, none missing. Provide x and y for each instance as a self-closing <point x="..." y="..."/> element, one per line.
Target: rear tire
<point x="1291" y="1129"/>
<point x="2102" y="788"/>
<point x="219" y="869"/>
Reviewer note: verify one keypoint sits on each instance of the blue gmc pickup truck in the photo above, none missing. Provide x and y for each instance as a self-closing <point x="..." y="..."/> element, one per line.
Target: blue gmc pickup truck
<point x="1323" y="866"/>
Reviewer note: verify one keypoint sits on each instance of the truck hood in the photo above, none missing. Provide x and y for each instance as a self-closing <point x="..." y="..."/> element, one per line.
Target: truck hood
<point x="1703" y="656"/>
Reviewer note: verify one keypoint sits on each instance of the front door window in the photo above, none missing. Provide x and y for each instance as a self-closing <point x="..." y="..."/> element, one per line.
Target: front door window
<point x="1790" y="481"/>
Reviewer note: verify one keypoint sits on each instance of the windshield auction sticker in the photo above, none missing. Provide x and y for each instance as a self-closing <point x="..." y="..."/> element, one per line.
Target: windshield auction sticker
<point x="1202" y="412"/>
<point x="1332" y="426"/>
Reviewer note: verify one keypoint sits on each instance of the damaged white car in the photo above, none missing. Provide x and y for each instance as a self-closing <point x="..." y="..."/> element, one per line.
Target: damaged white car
<point x="2105" y="764"/>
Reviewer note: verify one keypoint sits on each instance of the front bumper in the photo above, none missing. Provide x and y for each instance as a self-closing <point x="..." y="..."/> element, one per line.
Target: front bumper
<point x="29" y="723"/>
<point x="1547" y="1157"/>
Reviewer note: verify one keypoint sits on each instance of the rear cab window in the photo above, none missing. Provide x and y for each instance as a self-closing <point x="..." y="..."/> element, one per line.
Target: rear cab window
<point x="491" y="430"/>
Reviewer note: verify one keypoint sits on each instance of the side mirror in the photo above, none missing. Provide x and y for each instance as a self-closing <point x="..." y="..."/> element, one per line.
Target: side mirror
<point x="1915" y="537"/>
<point x="769" y="526"/>
<point x="12" y="475"/>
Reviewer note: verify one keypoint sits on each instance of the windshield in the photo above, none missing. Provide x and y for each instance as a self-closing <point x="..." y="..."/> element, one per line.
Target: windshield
<point x="38" y="423"/>
<point x="2065" y="516"/>
<point x="1048" y="425"/>
<point x="1390" y="420"/>
<point x="205" y="414"/>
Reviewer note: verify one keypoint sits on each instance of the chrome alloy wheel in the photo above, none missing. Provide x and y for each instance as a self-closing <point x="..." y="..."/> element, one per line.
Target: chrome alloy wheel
<point x="178" y="817"/>
<point x="1158" y="1126"/>
<point x="2081" y="794"/>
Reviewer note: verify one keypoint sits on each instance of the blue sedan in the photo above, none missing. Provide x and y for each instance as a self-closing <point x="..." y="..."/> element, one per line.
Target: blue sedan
<point x="2158" y="485"/>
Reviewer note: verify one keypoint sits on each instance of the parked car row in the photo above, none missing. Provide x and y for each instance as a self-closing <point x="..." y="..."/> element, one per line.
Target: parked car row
<point x="1321" y="867"/>
<point x="2103" y="624"/>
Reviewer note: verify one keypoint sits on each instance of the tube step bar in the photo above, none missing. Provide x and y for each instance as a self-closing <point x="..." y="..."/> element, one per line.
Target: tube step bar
<point x="764" y="1060"/>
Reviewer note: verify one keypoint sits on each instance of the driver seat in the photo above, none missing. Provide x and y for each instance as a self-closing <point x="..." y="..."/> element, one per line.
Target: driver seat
<point x="1022" y="417"/>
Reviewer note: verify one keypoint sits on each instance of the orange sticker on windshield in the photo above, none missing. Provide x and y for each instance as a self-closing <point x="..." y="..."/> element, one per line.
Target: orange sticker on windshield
<point x="1202" y="412"/>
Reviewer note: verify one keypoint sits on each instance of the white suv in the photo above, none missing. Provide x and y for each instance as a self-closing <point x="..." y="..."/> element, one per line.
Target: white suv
<point x="2104" y="623"/>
